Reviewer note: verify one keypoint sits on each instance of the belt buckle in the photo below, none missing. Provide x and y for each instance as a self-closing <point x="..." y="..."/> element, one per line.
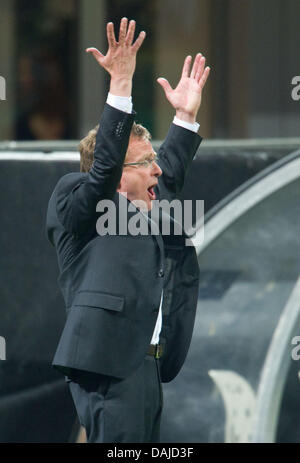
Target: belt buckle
<point x="157" y="353"/>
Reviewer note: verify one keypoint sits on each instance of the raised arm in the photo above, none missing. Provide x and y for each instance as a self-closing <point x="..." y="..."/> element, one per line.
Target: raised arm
<point x="78" y="194"/>
<point x="182" y="141"/>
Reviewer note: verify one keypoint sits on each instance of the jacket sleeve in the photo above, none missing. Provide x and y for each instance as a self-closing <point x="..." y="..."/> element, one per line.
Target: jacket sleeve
<point x="76" y="204"/>
<point x="175" y="157"/>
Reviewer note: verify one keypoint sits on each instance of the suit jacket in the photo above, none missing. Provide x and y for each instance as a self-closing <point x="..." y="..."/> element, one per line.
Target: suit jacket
<point x="112" y="284"/>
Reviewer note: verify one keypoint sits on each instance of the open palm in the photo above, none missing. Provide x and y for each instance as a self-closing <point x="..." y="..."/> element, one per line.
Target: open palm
<point x="186" y="97"/>
<point x="120" y="59"/>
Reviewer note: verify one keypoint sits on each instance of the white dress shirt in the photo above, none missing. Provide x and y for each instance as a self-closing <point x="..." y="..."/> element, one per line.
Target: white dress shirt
<point x="124" y="103"/>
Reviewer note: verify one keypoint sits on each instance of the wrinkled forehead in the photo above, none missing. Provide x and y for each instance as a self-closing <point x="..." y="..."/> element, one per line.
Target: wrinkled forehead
<point x="139" y="150"/>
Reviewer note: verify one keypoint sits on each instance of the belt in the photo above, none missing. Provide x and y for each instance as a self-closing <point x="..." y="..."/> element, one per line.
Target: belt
<point x="155" y="350"/>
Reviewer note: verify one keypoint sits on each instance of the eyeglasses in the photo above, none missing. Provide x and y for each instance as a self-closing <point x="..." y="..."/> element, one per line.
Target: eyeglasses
<point x="146" y="163"/>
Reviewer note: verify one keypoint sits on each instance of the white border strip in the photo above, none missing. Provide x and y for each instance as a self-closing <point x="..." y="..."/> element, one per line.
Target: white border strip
<point x="274" y="372"/>
<point x="29" y="156"/>
<point x="245" y="201"/>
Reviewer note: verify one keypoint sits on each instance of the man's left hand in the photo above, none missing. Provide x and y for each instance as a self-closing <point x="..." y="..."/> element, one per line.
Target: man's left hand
<point x="186" y="97"/>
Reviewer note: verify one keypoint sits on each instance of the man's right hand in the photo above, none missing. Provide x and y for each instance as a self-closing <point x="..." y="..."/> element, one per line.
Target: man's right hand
<point x="120" y="59"/>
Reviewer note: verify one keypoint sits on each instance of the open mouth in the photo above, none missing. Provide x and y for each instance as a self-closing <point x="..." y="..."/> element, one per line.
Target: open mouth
<point x="151" y="193"/>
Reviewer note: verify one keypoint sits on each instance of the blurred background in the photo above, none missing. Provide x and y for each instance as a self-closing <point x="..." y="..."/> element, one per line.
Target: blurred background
<point x="56" y="91"/>
<point x="239" y="383"/>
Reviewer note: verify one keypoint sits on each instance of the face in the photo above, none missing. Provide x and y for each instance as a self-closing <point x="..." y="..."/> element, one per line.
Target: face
<point x="138" y="182"/>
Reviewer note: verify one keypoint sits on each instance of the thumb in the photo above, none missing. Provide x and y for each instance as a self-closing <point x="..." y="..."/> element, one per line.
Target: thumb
<point x="165" y="84"/>
<point x="95" y="52"/>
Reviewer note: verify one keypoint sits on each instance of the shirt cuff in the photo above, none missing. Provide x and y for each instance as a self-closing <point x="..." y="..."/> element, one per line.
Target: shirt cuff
<point x="187" y="125"/>
<point x="123" y="103"/>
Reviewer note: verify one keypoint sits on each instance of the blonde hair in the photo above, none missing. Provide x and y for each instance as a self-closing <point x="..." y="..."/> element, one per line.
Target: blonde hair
<point x="87" y="145"/>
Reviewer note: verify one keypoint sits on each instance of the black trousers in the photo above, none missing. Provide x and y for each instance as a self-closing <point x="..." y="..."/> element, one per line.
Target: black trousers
<point x="120" y="410"/>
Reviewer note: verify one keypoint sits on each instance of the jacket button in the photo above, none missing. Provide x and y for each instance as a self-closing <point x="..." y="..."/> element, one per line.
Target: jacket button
<point x="161" y="273"/>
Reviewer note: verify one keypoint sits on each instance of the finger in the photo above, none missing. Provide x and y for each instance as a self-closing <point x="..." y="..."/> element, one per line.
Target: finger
<point x="139" y="41"/>
<point x="195" y="65"/>
<point x="186" y="66"/>
<point x="165" y="84"/>
<point x="200" y="69"/>
<point x="111" y="35"/>
<point x="130" y="33"/>
<point x="204" y="77"/>
<point x="123" y="30"/>
<point x="96" y="53"/>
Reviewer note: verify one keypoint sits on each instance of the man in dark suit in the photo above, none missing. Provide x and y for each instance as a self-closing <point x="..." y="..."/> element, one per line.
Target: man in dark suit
<point x="130" y="298"/>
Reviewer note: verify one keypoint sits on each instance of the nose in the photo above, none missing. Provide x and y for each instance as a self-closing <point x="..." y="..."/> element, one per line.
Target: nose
<point x="156" y="169"/>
